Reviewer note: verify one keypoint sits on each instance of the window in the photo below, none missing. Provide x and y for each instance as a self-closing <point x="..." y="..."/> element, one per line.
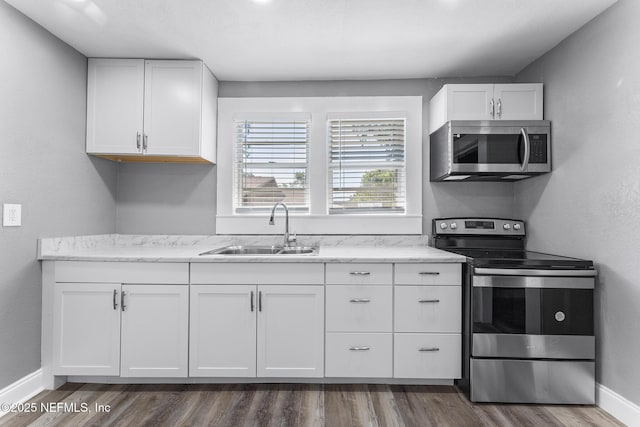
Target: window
<point x="366" y="166"/>
<point x="271" y="165"/>
<point x="344" y="165"/>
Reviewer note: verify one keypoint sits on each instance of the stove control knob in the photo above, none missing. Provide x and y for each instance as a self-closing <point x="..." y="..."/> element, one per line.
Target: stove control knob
<point x="443" y="225"/>
<point x="516" y="227"/>
<point x="453" y="225"/>
<point x="506" y="226"/>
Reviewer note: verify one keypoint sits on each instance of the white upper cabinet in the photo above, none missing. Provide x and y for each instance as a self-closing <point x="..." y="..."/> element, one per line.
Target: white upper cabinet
<point x="151" y="110"/>
<point x="511" y="101"/>
<point x="115" y="99"/>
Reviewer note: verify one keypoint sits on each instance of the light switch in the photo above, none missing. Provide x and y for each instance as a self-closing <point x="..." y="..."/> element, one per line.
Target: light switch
<point x="11" y="215"/>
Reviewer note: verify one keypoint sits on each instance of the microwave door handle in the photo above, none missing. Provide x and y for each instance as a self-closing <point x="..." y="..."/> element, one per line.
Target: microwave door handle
<point x="527" y="149"/>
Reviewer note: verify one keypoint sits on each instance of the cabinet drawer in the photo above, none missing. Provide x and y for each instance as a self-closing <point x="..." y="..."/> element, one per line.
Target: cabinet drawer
<point x="359" y="355"/>
<point x="433" y="356"/>
<point x="449" y="274"/>
<point x="122" y="272"/>
<point x="428" y="309"/>
<point x="257" y="273"/>
<point x="359" y="274"/>
<point x="359" y="308"/>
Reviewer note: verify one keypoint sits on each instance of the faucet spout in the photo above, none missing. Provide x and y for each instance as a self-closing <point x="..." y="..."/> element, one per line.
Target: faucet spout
<point x="287" y="238"/>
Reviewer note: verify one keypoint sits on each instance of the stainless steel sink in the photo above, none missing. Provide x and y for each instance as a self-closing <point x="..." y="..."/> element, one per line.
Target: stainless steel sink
<point x="263" y="250"/>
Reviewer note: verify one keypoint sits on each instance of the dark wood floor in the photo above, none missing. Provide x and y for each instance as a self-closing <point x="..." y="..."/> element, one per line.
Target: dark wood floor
<point x="286" y="405"/>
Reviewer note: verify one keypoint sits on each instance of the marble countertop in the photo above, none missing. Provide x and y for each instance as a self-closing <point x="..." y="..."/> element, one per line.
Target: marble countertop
<point x="115" y="247"/>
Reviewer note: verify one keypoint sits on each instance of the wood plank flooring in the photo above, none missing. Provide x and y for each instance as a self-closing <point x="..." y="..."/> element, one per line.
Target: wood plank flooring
<point x="286" y="405"/>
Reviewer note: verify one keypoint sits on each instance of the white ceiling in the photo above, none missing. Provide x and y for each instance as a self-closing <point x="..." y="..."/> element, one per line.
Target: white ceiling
<point x="251" y="40"/>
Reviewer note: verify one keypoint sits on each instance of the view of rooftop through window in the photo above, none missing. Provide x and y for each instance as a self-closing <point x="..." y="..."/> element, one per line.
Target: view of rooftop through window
<point x="271" y="165"/>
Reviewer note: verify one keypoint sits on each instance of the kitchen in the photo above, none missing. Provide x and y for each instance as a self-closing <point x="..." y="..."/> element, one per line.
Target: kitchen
<point x="585" y="207"/>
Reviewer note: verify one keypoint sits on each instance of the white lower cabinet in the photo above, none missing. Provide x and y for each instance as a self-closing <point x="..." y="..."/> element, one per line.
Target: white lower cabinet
<point x="428" y="309"/>
<point x="290" y="331"/>
<point x="257" y="330"/>
<point x="427" y="341"/>
<point x="155" y="331"/>
<point x="433" y="356"/>
<point x="223" y="331"/>
<point x="359" y="308"/>
<point x="241" y="320"/>
<point x="359" y="355"/>
<point x="127" y="330"/>
<point x="86" y="329"/>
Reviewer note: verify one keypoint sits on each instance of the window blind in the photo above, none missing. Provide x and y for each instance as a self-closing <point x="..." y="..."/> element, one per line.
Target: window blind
<point x="271" y="165"/>
<point x="367" y="166"/>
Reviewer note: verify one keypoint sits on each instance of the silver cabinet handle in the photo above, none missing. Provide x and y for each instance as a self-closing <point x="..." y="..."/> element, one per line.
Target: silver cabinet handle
<point x="360" y="273"/>
<point x="428" y="300"/>
<point x="115" y="295"/>
<point x="527" y="149"/>
<point x="363" y="348"/>
<point x="429" y="273"/>
<point x="259" y="300"/>
<point x="499" y="107"/>
<point x="145" y="142"/>
<point x="491" y="107"/>
<point x="122" y="301"/>
<point x="252" y="301"/>
<point x="138" y="140"/>
<point x="429" y="349"/>
<point x="360" y="300"/>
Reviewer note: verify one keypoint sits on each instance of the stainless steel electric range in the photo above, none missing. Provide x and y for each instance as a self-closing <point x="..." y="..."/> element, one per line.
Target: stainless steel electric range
<point x="528" y="329"/>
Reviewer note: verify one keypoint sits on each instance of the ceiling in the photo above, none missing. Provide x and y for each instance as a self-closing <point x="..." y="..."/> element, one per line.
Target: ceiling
<point x="281" y="40"/>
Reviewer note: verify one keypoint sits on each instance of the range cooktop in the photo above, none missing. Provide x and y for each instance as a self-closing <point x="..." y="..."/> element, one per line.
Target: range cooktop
<point x="496" y="243"/>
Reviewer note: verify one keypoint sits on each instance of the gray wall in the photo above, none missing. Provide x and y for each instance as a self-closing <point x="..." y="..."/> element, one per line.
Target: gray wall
<point x="159" y="198"/>
<point x="180" y="199"/>
<point x="44" y="168"/>
<point x="590" y="205"/>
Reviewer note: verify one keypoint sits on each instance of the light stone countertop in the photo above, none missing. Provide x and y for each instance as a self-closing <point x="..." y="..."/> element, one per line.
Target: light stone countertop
<point x="115" y="247"/>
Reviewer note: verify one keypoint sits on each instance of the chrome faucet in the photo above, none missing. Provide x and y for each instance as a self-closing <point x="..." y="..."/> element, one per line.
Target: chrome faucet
<point x="287" y="239"/>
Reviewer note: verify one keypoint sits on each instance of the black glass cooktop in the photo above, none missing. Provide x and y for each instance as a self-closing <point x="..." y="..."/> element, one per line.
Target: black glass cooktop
<point x="520" y="259"/>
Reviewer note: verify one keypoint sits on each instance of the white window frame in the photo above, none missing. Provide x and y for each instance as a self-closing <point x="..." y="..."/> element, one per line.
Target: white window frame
<point x="320" y="110"/>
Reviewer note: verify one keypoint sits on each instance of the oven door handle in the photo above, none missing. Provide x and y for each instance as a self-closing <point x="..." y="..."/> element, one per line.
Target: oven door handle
<point x="534" y="272"/>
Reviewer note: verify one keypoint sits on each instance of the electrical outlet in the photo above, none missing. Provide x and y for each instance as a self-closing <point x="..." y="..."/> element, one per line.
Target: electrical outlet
<point x="11" y="215"/>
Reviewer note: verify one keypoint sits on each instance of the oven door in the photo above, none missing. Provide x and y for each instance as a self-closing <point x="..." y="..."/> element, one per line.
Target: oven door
<point x="532" y="316"/>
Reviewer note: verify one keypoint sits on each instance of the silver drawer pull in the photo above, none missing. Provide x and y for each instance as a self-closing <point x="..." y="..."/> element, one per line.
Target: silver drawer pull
<point x="428" y="300"/>
<point x="364" y="348"/>
<point x="360" y="273"/>
<point x="360" y="300"/>
<point x="429" y="273"/>
<point x="429" y="349"/>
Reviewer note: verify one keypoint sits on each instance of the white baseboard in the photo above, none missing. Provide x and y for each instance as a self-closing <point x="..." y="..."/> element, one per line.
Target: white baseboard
<point x="22" y="390"/>
<point x="621" y="408"/>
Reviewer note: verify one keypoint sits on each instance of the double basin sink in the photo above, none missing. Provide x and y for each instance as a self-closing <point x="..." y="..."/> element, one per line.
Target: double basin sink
<point x="263" y="250"/>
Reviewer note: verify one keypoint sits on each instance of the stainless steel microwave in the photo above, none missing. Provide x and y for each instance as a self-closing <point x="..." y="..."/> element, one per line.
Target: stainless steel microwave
<point x="495" y="150"/>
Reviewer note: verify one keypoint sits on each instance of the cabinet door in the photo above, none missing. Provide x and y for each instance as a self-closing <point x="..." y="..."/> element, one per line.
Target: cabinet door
<point x="173" y="101"/>
<point x="115" y="90"/>
<point x="521" y="101"/>
<point x="469" y="102"/>
<point x="223" y="331"/>
<point x="290" y="331"/>
<point x="86" y="329"/>
<point x="155" y="321"/>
